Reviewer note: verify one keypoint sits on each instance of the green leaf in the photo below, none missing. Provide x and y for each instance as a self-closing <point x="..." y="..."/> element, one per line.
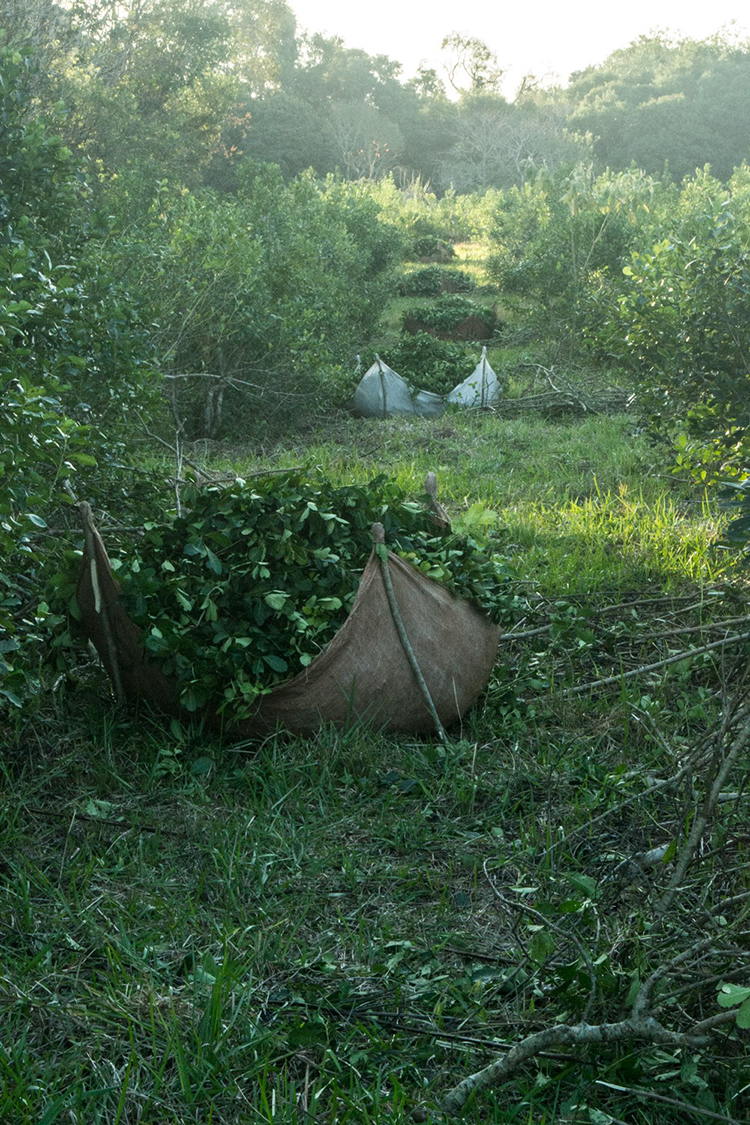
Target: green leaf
<point x="583" y="883"/>
<point x="732" y="994"/>
<point x="214" y="564"/>
<point x="276" y="600"/>
<point x="743" y="1015"/>
<point x="276" y="663"/>
<point x="541" y="946"/>
<point x="308" y="1035"/>
<point x="97" y="807"/>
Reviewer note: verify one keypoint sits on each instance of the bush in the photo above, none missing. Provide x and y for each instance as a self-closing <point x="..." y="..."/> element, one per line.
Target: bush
<point x="68" y="352"/>
<point x="682" y="321"/>
<point x="261" y="298"/>
<point x="555" y="239"/>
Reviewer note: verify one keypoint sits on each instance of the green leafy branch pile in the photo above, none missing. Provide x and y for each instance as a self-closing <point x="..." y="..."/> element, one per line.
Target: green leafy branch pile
<point x="240" y="594"/>
<point x="447" y="313"/>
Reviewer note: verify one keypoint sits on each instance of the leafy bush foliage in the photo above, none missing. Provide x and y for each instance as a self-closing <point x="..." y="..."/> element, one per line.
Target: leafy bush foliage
<point x="71" y="352"/>
<point x="260" y="299"/>
<point x="683" y="321"/>
<point x="556" y="241"/>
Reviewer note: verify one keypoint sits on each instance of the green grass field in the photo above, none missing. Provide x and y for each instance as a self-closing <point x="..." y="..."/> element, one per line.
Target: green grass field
<point x="341" y="928"/>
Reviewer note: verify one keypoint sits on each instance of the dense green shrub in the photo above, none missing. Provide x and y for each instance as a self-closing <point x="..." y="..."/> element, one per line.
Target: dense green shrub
<point x="260" y="298"/>
<point x="421" y="213"/>
<point x="680" y="324"/>
<point x="682" y="321"/>
<point x="67" y="355"/>
<point x="557" y="240"/>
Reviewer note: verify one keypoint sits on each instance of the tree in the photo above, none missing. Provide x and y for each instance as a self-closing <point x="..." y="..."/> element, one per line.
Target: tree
<point x="285" y="130"/>
<point x="471" y="59"/>
<point x="499" y="145"/>
<point x="662" y="103"/>
<point x="366" y="144"/>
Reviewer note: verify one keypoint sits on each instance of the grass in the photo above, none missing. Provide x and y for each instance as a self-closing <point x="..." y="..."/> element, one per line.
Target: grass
<point x="584" y="504"/>
<point x="309" y="930"/>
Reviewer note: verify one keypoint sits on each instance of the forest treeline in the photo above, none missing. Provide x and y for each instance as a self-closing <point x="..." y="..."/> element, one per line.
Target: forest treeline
<point x="180" y="255"/>
<point x="187" y="89"/>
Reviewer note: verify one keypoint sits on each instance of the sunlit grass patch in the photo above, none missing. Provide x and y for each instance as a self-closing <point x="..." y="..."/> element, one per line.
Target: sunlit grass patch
<point x="616" y="541"/>
<point x="584" y="502"/>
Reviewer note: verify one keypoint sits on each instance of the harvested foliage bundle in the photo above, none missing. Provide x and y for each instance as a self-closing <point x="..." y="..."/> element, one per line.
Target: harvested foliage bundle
<point x="240" y="594"/>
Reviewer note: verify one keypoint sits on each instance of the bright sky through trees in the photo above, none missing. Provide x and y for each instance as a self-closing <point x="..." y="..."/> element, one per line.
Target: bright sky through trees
<point x="543" y="37"/>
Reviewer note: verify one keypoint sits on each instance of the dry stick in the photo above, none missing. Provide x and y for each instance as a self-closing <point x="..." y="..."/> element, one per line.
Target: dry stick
<point x="638" y="1026"/>
<point x="526" y="633"/>
<point x="693" y="758"/>
<point x="378" y="536"/>
<point x="171" y="448"/>
<point x="700" y="821"/>
<point x="697" y="628"/>
<point x="608" y="609"/>
<point x="218" y="476"/>
<point x="100" y="605"/>
<point x="644" y="995"/>
<point x="524" y="908"/>
<point x="125" y="826"/>
<point x="646" y="1030"/>
<point x="416" y="1024"/>
<point x="671" y="598"/>
<point x="609" y="680"/>
<point x="669" y="1101"/>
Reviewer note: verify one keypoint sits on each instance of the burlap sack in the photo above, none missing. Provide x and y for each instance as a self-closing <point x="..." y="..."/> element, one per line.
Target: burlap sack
<point x="363" y="673"/>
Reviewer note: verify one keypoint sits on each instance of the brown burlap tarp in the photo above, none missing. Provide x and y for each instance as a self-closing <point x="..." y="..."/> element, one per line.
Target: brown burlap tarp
<point x="363" y="674"/>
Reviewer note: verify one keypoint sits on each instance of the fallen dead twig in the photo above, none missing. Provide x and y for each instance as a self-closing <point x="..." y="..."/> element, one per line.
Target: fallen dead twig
<point x="607" y="681"/>
<point x="638" y="1092"/>
<point x="646" y="1030"/>
<point x="568" y="936"/>
<point x="723" y="760"/>
<point x="109" y="822"/>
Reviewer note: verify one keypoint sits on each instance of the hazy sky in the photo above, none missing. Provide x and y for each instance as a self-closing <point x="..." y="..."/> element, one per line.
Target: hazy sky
<point x="539" y="36"/>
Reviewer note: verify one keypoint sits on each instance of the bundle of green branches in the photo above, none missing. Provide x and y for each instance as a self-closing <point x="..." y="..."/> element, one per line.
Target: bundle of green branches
<point x="241" y="592"/>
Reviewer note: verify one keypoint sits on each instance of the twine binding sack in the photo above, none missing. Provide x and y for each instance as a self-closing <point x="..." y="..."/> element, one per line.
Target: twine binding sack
<point x="364" y="673"/>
